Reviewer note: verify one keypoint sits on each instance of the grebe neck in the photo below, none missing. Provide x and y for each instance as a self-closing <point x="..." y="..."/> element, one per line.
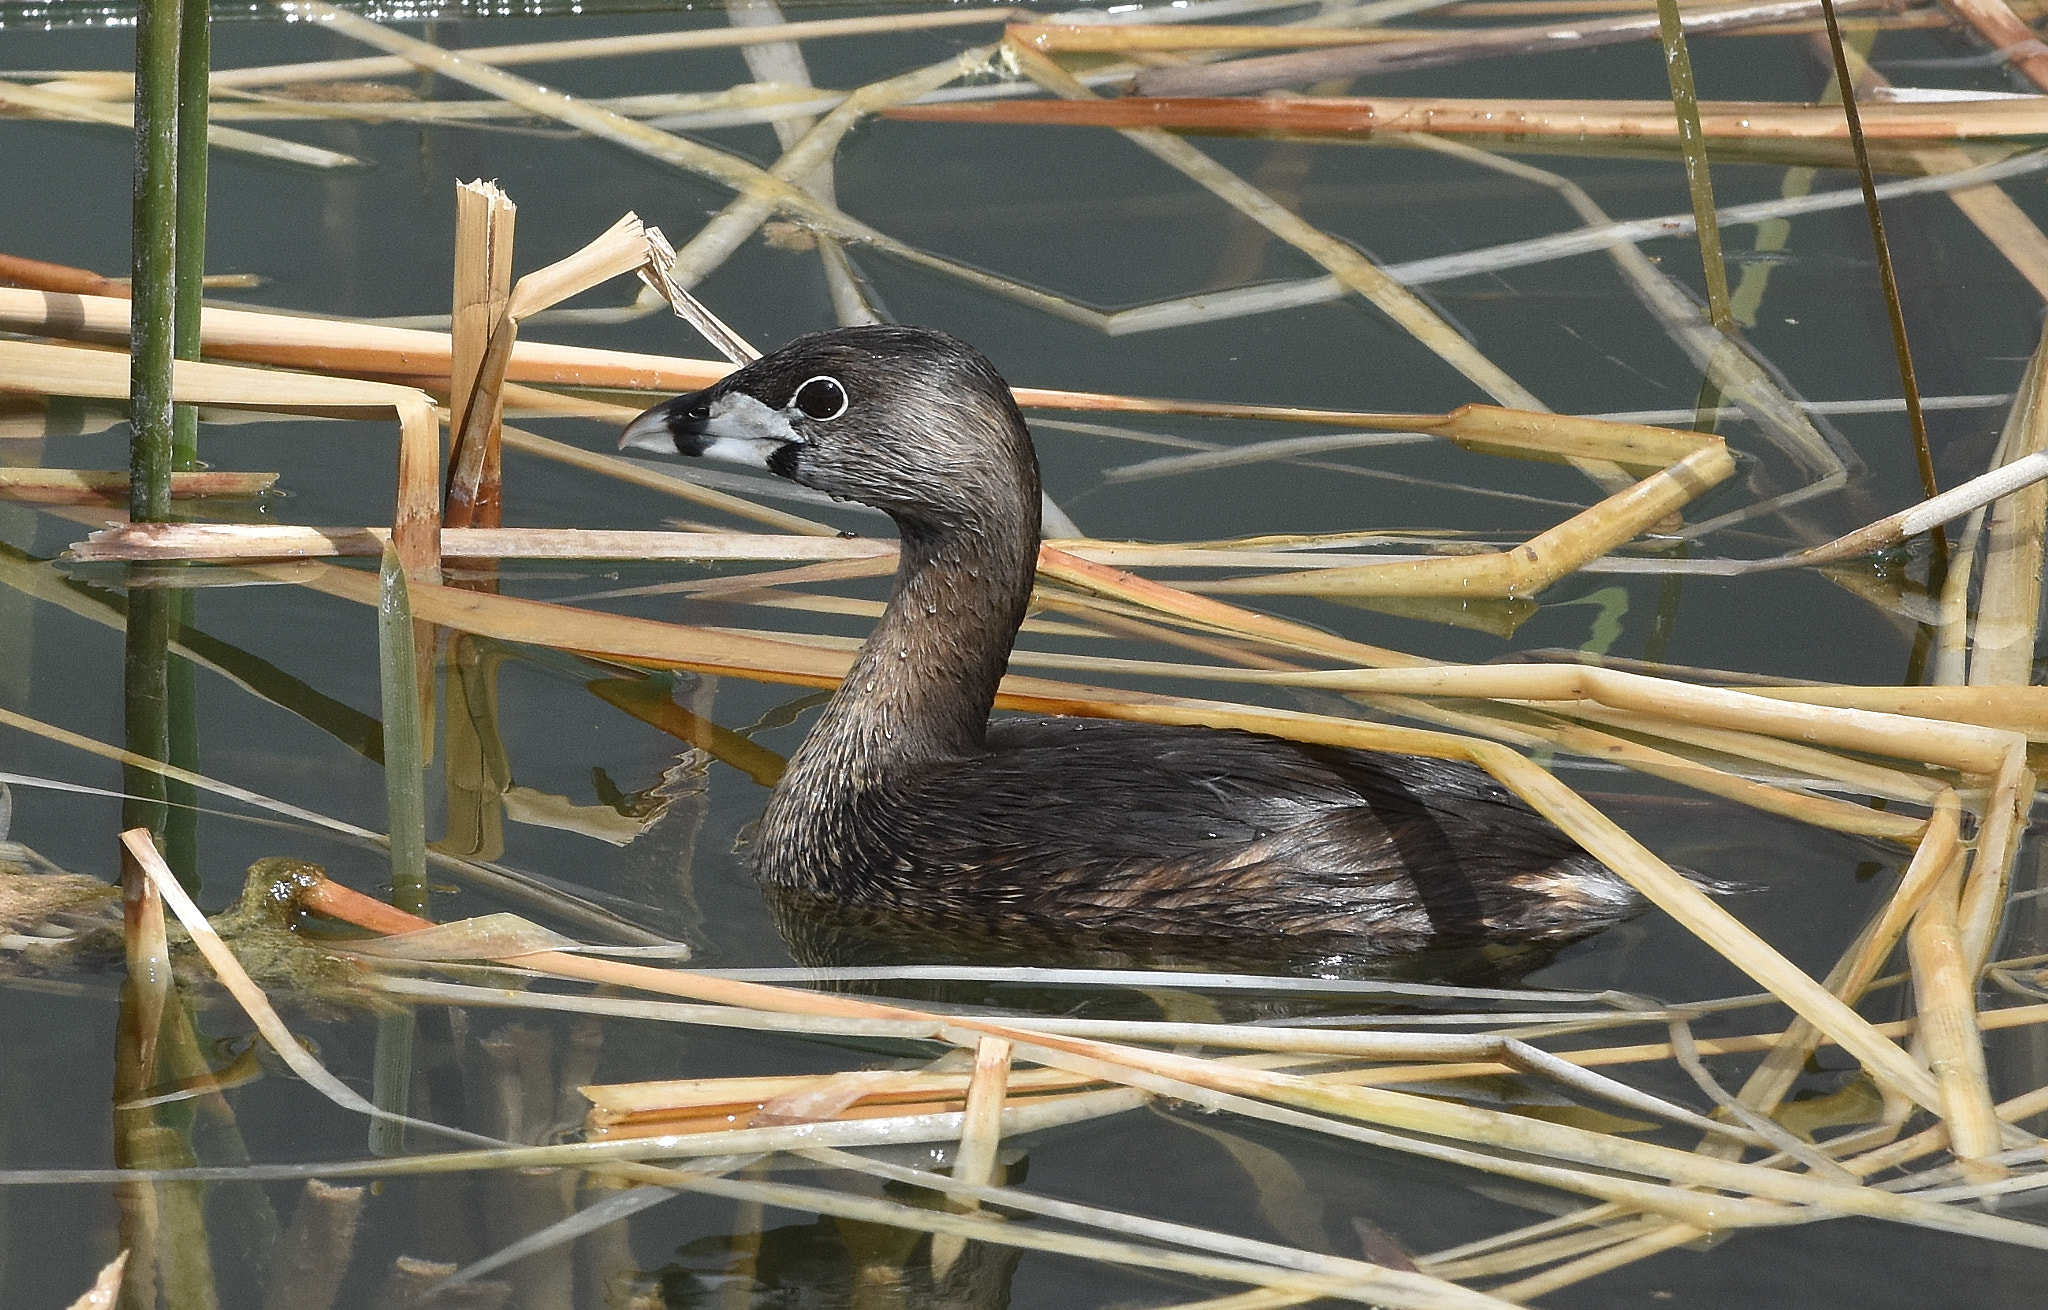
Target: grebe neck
<point x="919" y="692"/>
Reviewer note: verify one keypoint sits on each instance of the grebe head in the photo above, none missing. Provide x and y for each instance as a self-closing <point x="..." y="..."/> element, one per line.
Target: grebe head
<point x="908" y="420"/>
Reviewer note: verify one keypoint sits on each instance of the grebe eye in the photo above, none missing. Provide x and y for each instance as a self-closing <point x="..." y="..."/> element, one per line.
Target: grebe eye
<point x="821" y="398"/>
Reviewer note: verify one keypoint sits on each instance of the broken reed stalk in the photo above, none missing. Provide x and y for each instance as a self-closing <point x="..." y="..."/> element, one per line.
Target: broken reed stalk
<point x="56" y="370"/>
<point x="484" y="223"/>
<point x="2002" y="636"/>
<point x="658" y="274"/>
<point x="486" y="329"/>
<point x="138" y="846"/>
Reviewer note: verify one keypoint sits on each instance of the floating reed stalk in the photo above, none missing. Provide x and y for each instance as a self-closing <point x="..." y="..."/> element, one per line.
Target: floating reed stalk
<point x="1618" y="120"/>
<point x="2006" y="32"/>
<point x="58" y="105"/>
<point x="1271" y="72"/>
<point x="606" y="47"/>
<point x="1342" y="260"/>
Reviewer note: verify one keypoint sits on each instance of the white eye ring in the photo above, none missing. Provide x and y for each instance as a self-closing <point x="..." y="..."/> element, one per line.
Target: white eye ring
<point x="822" y="398"/>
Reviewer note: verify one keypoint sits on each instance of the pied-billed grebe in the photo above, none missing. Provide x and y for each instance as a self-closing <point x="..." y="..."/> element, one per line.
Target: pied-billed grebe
<point x="905" y="797"/>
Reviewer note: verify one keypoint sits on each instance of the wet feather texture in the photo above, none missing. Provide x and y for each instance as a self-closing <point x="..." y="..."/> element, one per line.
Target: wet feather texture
<point x="906" y="798"/>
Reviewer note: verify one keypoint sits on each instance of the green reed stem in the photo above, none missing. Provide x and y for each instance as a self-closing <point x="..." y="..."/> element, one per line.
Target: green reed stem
<point x="154" y="258"/>
<point x="145" y="706"/>
<point x="405" y="790"/>
<point x="1908" y="382"/>
<point x="391" y="1081"/>
<point x="195" y="52"/>
<point x="181" y="686"/>
<point x="1692" y="140"/>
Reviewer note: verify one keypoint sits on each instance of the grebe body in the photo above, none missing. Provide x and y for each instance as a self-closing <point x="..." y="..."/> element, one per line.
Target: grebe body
<point x="905" y="797"/>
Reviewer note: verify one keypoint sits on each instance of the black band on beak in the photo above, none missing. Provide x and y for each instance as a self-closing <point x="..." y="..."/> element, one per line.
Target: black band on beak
<point x="672" y="427"/>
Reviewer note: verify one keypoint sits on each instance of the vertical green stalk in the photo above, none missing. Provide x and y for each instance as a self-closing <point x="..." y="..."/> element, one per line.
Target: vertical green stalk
<point x="405" y="796"/>
<point x="145" y="707"/>
<point x="195" y="52"/>
<point x="1692" y="140"/>
<point x="1908" y="381"/>
<point x="195" y="55"/>
<point x="154" y="258"/>
<point x="181" y="687"/>
<point x="404" y="772"/>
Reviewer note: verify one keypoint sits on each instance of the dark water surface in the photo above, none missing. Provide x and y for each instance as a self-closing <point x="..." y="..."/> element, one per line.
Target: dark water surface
<point x="1086" y="215"/>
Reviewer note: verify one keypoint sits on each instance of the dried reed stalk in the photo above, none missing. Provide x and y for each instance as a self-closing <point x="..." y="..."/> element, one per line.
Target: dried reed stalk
<point x="485" y="220"/>
<point x="1993" y="212"/>
<point x="1343" y="261"/>
<point x="757" y="200"/>
<point x="981" y="1135"/>
<point x="755" y="657"/>
<point x="746" y="102"/>
<point x="105" y="1292"/>
<point x="326" y="345"/>
<point x="1644" y="120"/>
<point x="227" y="541"/>
<point x="1937" y="857"/>
<point x="2009" y="600"/>
<point x="1118" y="38"/>
<point x="46" y="103"/>
<point x="1224" y="1084"/>
<point x="329" y="346"/>
<point x="1967" y="748"/>
<point x="623" y="1103"/>
<point x="110" y="486"/>
<point x="1527" y="568"/>
<point x="20" y="271"/>
<point x="63" y="371"/>
<point x="1271" y="72"/>
<point x="607" y="47"/>
<point x="2006" y="32"/>
<point x="1945" y="990"/>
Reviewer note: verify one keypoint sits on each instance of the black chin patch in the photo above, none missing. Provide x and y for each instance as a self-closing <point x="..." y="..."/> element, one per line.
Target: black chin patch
<point x="782" y="460"/>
